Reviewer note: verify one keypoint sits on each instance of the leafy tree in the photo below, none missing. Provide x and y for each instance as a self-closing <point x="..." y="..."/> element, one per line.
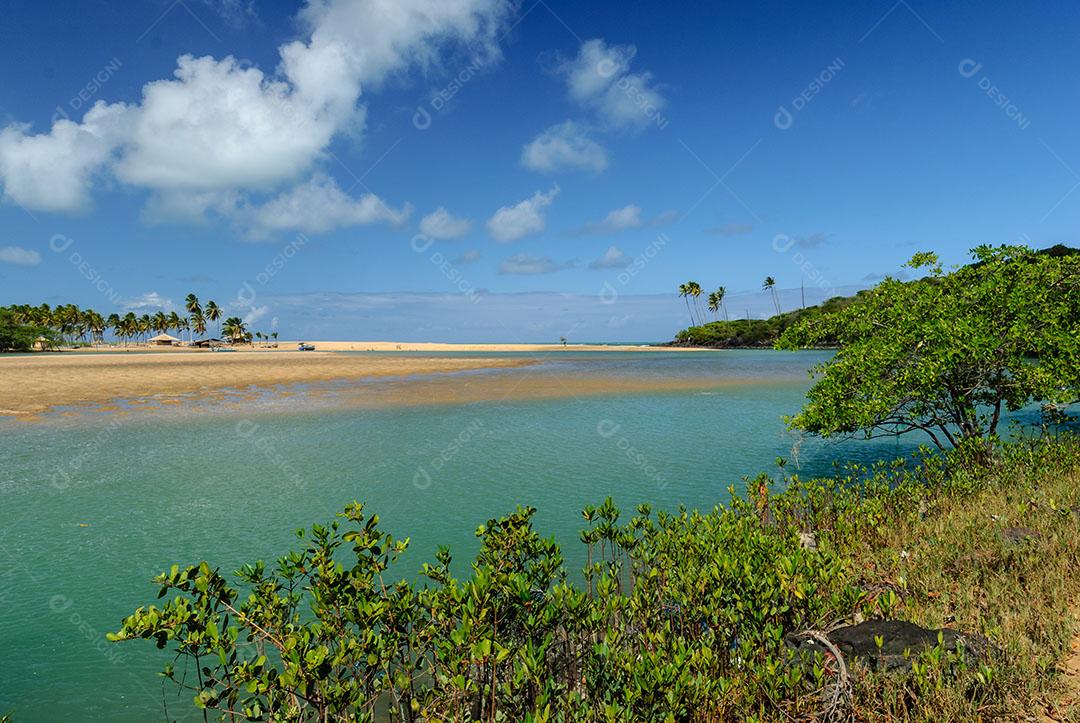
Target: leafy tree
<point x="17" y="336"/>
<point x="234" y="329"/>
<point x="948" y="354"/>
<point x="327" y="634"/>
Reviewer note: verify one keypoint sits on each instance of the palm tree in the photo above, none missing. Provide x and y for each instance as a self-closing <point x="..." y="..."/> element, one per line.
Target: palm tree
<point x="684" y="294"/>
<point x="159" y="322"/>
<point x="695" y="292"/>
<point x="96" y="323"/>
<point x="114" y="323"/>
<point x="129" y="326"/>
<point x="234" y="329"/>
<point x="721" y="294"/>
<point x="213" y="313"/>
<point x="191" y="304"/>
<point x="259" y="336"/>
<point x="770" y="285"/>
<point x="184" y="325"/>
<point x="174" y="321"/>
<point x="145" y="324"/>
<point x="66" y="319"/>
<point x="198" y="322"/>
<point x="714" y="302"/>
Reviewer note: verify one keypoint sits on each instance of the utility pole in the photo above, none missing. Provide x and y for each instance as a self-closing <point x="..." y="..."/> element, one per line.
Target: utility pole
<point x="802" y="289"/>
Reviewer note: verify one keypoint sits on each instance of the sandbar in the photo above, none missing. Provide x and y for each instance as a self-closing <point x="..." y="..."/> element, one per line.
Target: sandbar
<point x="30" y="385"/>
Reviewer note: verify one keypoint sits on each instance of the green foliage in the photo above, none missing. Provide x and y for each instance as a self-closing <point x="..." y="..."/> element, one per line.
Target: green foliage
<point x="679" y="608"/>
<point x="757" y="332"/>
<point x="15" y="335"/>
<point x="949" y="353"/>
<point x="679" y="616"/>
<point x="72" y="326"/>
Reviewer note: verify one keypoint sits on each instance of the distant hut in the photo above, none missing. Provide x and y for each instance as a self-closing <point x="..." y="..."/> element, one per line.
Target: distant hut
<point x="207" y="343"/>
<point x="164" y="340"/>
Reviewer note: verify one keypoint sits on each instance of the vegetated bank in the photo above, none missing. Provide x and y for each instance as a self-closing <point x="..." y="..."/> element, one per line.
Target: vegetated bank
<point x="756" y="333"/>
<point x="765" y="333"/>
<point x="929" y="589"/>
<point x="686" y="616"/>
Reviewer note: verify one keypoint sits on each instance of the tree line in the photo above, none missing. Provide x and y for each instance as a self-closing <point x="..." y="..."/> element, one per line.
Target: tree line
<point x="24" y="326"/>
<point x="715" y="300"/>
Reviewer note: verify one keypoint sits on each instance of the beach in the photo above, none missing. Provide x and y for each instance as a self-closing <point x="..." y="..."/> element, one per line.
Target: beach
<point x="448" y="347"/>
<point x="405" y="346"/>
<point x="34" y="384"/>
<point x="30" y="385"/>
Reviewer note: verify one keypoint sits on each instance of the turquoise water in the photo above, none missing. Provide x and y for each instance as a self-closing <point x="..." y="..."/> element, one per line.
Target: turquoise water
<point x="95" y="505"/>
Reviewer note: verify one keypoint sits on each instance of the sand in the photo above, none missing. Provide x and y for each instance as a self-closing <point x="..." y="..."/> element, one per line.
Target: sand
<point x="450" y="348"/>
<point x="408" y="346"/>
<point x="528" y="384"/>
<point x="30" y="385"/>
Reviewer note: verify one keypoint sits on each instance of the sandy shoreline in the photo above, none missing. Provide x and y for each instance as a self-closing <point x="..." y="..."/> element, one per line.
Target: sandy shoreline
<point x="406" y="346"/>
<point x="30" y="385"/>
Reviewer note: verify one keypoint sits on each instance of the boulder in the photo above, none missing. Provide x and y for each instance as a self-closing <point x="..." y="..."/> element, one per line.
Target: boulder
<point x="857" y="642"/>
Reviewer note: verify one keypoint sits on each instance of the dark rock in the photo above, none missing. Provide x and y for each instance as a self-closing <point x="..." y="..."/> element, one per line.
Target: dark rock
<point x="857" y="642"/>
<point x="1019" y="534"/>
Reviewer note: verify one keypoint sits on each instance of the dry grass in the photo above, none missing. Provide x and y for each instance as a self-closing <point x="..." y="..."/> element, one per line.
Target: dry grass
<point x="960" y="562"/>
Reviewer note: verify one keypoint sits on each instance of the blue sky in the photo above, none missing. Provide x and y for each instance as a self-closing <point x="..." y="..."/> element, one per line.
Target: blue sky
<point x="483" y="170"/>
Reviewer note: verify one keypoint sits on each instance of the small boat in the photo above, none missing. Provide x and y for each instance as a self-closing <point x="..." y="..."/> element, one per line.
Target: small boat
<point x="304" y="346"/>
<point x="221" y="348"/>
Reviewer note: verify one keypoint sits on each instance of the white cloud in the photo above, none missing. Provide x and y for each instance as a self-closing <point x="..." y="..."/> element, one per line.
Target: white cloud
<point x="319" y="205"/>
<point x="222" y="125"/>
<point x="254" y="314"/>
<point x="53" y="171"/>
<point x="151" y="300"/>
<point x="600" y="79"/>
<point x="234" y="12"/>
<point x="564" y="146"/>
<point x="513" y="222"/>
<point x="190" y="207"/>
<point x="442" y="225"/>
<point x="626" y="218"/>
<point x="526" y="264"/>
<point x="383" y="37"/>
<point x="613" y="258"/>
<point x="19" y="256"/>
<point x="620" y="219"/>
